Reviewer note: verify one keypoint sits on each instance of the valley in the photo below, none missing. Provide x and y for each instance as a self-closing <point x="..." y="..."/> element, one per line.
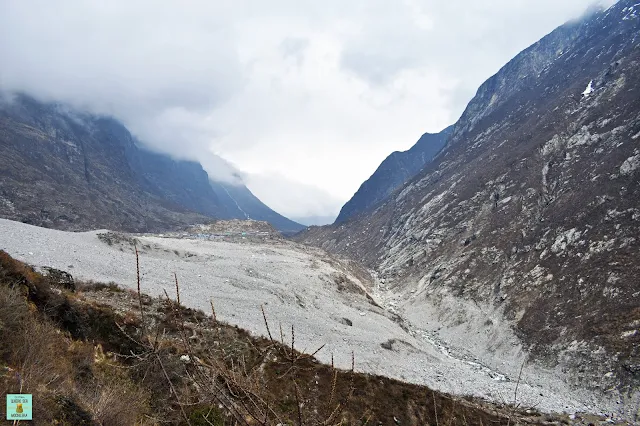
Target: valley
<point x="492" y="266"/>
<point x="323" y="297"/>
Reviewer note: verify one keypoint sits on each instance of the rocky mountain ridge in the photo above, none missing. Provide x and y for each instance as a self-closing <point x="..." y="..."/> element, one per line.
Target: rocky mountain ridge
<point x="71" y="170"/>
<point x="522" y="234"/>
<point x="393" y="172"/>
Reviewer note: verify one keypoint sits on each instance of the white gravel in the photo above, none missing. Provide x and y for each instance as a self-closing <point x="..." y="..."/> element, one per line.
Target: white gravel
<point x="293" y="283"/>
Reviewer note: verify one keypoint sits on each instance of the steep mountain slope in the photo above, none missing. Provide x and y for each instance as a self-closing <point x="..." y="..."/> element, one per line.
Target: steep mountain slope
<point x="241" y="203"/>
<point x="59" y="169"/>
<point x="64" y="169"/>
<point x="394" y="171"/>
<point x="521" y="237"/>
<point x="184" y="183"/>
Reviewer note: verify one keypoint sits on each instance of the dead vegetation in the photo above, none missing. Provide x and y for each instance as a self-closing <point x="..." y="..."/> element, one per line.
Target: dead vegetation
<point x="89" y="358"/>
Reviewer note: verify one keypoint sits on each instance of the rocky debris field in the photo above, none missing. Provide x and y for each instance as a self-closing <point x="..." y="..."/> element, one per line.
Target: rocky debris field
<point x="328" y="301"/>
<point x="235" y="230"/>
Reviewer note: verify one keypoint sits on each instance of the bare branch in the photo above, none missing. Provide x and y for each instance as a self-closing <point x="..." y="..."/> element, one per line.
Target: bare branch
<point x="213" y="311"/>
<point x="298" y="404"/>
<point x="173" y="390"/>
<point x="266" y="323"/>
<point x="435" y="407"/>
<point x="515" y="392"/>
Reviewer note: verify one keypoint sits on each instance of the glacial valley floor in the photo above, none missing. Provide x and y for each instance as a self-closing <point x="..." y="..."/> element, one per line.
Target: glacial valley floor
<point x="324" y="298"/>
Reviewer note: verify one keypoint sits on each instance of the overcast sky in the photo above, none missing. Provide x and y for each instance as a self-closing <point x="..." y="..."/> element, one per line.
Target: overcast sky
<point x="305" y="98"/>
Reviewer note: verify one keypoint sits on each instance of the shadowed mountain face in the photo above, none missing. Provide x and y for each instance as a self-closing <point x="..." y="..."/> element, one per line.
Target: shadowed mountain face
<point x="530" y="216"/>
<point x="240" y="202"/>
<point x="184" y="183"/>
<point x="392" y="173"/>
<point x="75" y="171"/>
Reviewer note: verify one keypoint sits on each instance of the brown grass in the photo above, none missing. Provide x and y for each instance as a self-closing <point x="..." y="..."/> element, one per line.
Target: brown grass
<point x="69" y="386"/>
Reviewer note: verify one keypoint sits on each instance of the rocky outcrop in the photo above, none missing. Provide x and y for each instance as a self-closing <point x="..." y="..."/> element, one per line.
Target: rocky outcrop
<point x="528" y="220"/>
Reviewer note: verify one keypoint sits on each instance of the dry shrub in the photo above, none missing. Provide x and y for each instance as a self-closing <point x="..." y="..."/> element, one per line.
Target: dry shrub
<point x="62" y="374"/>
<point x="32" y="346"/>
<point x="116" y="400"/>
<point x="13" y="313"/>
<point x="34" y="352"/>
<point x="90" y="285"/>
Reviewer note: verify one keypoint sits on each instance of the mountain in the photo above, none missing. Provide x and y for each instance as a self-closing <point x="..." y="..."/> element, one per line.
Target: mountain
<point x="394" y="171"/>
<point x="520" y="240"/>
<point x="240" y="202"/>
<point x="184" y="183"/>
<point x="66" y="169"/>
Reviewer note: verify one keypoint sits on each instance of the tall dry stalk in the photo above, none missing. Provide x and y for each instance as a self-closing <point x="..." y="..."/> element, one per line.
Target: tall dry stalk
<point x="175" y="276"/>
<point x="135" y="246"/>
<point x="266" y="323"/>
<point x="213" y="311"/>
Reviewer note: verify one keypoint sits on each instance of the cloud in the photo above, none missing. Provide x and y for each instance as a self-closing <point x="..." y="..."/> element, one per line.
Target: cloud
<point x="468" y="40"/>
<point x="292" y="198"/>
<point x="150" y="65"/>
<point x="294" y="48"/>
<point x="317" y="93"/>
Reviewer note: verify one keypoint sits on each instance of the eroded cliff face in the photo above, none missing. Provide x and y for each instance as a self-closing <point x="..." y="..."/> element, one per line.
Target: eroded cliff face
<point x="529" y="220"/>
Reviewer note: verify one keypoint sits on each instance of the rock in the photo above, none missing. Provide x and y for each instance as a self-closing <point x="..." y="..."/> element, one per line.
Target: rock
<point x="630" y="165"/>
<point x="60" y="278"/>
<point x="388" y="345"/>
<point x="346" y="321"/>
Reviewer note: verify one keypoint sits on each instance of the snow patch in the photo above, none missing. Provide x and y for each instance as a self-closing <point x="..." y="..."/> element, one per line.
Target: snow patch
<point x="630" y="12"/>
<point x="505" y="200"/>
<point x="588" y="90"/>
